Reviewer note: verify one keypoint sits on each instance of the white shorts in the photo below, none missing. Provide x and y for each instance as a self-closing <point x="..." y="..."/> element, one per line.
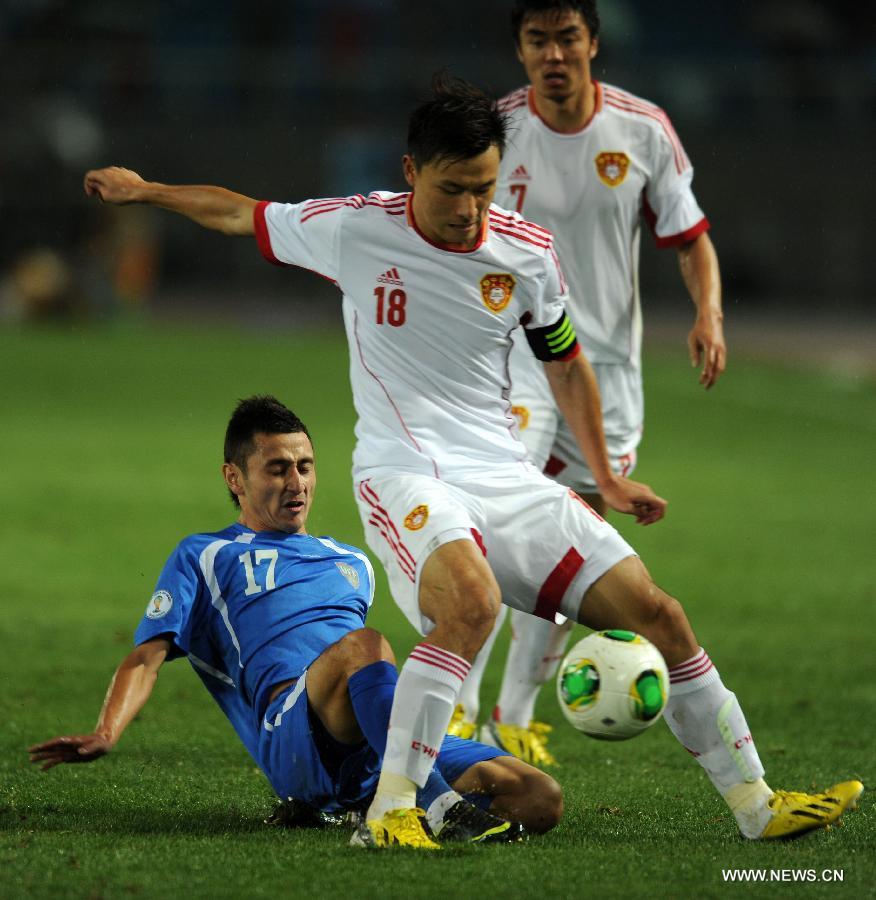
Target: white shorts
<point x="551" y="445"/>
<point x="545" y="546"/>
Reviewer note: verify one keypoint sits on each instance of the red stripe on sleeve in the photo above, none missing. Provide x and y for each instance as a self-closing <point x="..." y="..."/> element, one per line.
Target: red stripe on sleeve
<point x="672" y="240"/>
<point x="262" y="236"/>
<point x="557" y="583"/>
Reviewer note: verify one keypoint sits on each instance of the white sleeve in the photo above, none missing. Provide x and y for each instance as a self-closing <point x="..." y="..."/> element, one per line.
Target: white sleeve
<point x="550" y="303"/>
<point x="302" y="234"/>
<point x="670" y="207"/>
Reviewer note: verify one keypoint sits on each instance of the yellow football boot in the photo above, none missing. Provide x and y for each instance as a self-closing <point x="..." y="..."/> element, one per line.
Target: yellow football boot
<point x="528" y="744"/>
<point x="795" y="813"/>
<point x="398" y="828"/>
<point x="460" y="726"/>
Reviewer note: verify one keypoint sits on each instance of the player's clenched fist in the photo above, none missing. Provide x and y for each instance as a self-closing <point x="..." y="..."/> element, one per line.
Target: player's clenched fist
<point x="114" y="185"/>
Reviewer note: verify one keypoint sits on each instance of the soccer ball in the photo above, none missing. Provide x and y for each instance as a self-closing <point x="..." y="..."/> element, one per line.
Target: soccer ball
<point x="613" y="685"/>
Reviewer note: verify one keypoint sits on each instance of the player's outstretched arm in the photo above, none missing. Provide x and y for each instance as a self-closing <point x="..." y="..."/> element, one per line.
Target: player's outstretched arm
<point x="698" y="262"/>
<point x="127" y="693"/>
<point x="213" y="207"/>
<point x="577" y="394"/>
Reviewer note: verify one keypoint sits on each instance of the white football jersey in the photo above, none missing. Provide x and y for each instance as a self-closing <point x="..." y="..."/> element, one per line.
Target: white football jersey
<point x="429" y="328"/>
<point x="591" y="189"/>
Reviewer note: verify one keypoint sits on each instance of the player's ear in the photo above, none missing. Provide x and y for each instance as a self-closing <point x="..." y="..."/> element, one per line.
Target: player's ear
<point x="409" y="169"/>
<point x="594" y="47"/>
<point x="233" y="479"/>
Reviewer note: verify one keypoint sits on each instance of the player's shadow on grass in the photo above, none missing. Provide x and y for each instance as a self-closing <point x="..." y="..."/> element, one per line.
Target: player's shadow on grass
<point x="148" y="818"/>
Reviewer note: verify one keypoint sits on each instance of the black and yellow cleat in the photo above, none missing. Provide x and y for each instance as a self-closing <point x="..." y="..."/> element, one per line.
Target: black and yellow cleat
<point x="468" y="823"/>
<point x="795" y="813"/>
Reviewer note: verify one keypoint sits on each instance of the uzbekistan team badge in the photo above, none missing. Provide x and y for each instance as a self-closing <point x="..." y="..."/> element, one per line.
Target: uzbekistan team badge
<point x="521" y="413"/>
<point x="496" y="290"/>
<point x="159" y="606"/>
<point x="612" y="168"/>
<point x="417" y="517"/>
<point x="349" y="573"/>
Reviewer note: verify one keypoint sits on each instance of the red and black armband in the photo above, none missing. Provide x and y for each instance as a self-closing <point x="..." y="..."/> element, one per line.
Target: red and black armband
<point x="554" y="342"/>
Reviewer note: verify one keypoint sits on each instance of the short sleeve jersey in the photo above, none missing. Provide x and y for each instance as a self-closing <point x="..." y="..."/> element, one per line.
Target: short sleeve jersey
<point x="429" y="327"/>
<point x="251" y="610"/>
<point x="591" y="189"/>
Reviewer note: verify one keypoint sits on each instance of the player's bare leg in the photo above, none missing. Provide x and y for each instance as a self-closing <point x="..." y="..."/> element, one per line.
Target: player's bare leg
<point x="458" y="592"/>
<point x="705" y="717"/>
<point x="520" y="792"/>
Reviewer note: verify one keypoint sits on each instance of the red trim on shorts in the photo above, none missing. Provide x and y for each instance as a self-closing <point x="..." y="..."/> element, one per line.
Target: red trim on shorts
<point x="556" y="584"/>
<point x="553" y="466"/>
<point x="479" y="540"/>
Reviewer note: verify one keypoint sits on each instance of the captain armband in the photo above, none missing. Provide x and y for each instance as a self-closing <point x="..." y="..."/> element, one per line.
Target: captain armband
<point x="553" y="342"/>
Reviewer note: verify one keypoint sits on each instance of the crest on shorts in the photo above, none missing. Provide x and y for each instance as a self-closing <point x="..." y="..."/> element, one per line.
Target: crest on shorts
<point x="496" y="290"/>
<point x="417" y="517"/>
<point x="612" y="168"/>
<point x="160" y="605"/>
<point x="349" y="573"/>
<point x="521" y="413"/>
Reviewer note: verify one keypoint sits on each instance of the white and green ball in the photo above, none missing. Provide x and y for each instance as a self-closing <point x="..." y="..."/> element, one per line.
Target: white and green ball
<point x="612" y="685"/>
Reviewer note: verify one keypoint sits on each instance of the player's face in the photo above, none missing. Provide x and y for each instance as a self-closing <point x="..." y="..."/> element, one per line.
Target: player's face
<point x="451" y="198"/>
<point x="556" y="49"/>
<point x="276" y="489"/>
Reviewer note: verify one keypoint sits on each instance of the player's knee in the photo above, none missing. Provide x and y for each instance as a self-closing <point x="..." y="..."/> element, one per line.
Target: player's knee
<point x="548" y="806"/>
<point x="477" y="614"/>
<point x="364" y="646"/>
<point x="667" y="626"/>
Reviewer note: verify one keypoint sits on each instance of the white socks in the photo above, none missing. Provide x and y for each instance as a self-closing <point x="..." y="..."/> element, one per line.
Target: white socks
<point x="708" y="721"/>
<point x="537" y="647"/>
<point x="425" y="697"/>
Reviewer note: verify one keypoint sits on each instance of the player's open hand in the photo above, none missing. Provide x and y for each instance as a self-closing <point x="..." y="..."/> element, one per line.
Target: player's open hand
<point x="635" y="499"/>
<point x="72" y="748"/>
<point x="707" y="348"/>
<point x="114" y="185"/>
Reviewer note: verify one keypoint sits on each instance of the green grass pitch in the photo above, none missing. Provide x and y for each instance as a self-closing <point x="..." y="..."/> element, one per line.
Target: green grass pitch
<point x="111" y="446"/>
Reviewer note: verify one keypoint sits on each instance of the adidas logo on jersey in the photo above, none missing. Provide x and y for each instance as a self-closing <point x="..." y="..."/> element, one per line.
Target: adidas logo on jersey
<point x="520" y="174"/>
<point x="391" y="276"/>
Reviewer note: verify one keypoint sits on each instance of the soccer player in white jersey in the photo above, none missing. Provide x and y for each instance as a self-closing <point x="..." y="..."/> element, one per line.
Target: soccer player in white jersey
<point x="272" y="620"/>
<point x="588" y="161"/>
<point x="434" y="283"/>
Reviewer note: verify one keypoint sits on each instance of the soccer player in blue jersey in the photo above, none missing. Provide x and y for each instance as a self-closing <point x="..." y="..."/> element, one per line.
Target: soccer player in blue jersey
<point x="272" y="620"/>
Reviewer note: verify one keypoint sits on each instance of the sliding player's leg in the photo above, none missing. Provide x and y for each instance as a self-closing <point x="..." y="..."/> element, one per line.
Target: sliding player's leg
<point x="515" y="791"/>
<point x="702" y="713"/>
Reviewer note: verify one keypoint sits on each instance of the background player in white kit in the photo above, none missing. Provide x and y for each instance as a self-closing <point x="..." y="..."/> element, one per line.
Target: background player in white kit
<point x="434" y="284"/>
<point x="587" y="161"/>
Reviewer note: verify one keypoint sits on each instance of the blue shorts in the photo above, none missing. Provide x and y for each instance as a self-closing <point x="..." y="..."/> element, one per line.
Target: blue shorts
<point x="303" y="761"/>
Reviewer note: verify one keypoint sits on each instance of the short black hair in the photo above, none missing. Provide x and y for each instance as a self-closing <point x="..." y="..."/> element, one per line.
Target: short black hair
<point x="523" y="9"/>
<point x="262" y="414"/>
<point x="459" y="121"/>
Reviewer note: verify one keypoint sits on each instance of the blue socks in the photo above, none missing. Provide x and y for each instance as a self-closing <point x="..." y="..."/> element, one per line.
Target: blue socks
<point x="371" y="692"/>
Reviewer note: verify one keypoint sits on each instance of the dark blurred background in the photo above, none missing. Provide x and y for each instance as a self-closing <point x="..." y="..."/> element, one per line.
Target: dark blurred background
<point x="775" y="102"/>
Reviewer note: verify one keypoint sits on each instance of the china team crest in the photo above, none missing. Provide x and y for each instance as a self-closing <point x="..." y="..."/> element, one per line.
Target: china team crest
<point x="417" y="517"/>
<point x="496" y="290"/>
<point x="612" y="168"/>
<point x="521" y="413"/>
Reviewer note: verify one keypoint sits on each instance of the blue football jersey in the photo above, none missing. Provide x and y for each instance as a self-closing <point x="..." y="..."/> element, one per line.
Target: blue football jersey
<point x="252" y="609"/>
